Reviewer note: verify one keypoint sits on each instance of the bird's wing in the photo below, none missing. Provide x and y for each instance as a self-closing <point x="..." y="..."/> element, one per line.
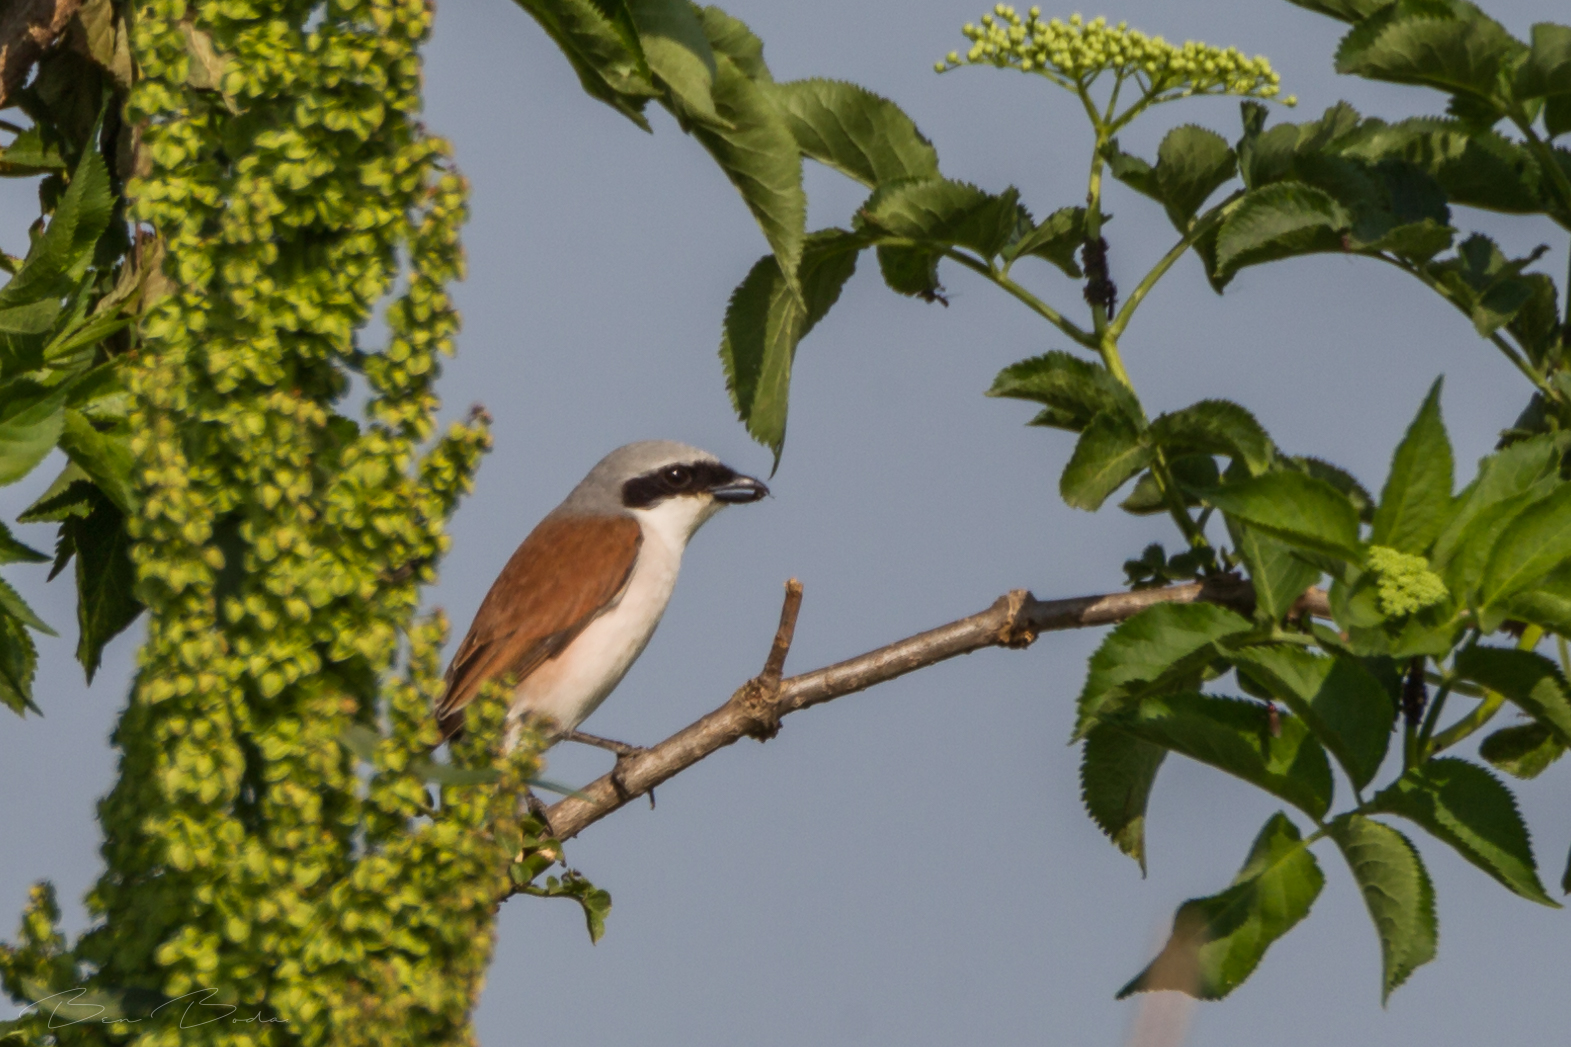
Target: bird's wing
<point x="565" y="574"/>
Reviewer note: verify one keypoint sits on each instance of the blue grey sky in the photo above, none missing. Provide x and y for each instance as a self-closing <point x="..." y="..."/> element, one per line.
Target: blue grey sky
<point x="910" y="865"/>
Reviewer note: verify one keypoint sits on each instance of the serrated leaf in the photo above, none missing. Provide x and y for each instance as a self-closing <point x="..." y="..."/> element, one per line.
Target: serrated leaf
<point x="911" y="271"/>
<point x="31" y="419"/>
<point x="1191" y="472"/>
<point x="1236" y="736"/>
<point x="1110" y="451"/>
<point x="1077" y="389"/>
<point x="1345" y="10"/>
<point x="731" y="37"/>
<point x="1215" y="427"/>
<point x="944" y="213"/>
<point x="1396" y="889"/>
<point x="18" y="661"/>
<point x="1116" y="775"/>
<point x="1192" y="163"/>
<point x="861" y="134"/>
<point x="1055" y="239"/>
<point x="1475" y="168"/>
<point x="1296" y="509"/>
<point x="1523" y="751"/>
<point x="69" y="495"/>
<point x="1444" y="44"/>
<point x="1154" y="648"/>
<point x="1417" y="494"/>
<point x="1346" y="707"/>
<point x="764" y="322"/>
<point x="1468" y="808"/>
<point x="607" y="62"/>
<point x="11" y="603"/>
<point x="1218" y="941"/>
<point x="29" y="153"/>
<point x="1534" y="543"/>
<point x="1279" y="221"/>
<point x="1279" y="578"/>
<point x="1528" y="680"/>
<point x="677" y="51"/>
<point x="759" y="155"/>
<point x="105" y="456"/>
<point x="61" y="255"/>
<point x="13" y="551"/>
<point x="105" y="580"/>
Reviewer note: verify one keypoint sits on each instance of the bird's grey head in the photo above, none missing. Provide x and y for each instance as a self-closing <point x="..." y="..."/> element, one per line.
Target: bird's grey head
<point x="642" y="477"/>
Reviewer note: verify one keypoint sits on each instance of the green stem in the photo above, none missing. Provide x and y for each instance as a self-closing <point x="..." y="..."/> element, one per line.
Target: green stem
<point x="1197" y="229"/>
<point x="1485" y="710"/>
<point x="1550" y="165"/>
<point x="1035" y="304"/>
<point x="1565" y="659"/>
<point x="1435" y="706"/>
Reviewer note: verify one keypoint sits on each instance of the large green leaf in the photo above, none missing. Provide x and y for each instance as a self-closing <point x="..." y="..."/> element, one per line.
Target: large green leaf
<point x="677" y="50"/>
<point x="1467" y="807"/>
<point x="1417" y="493"/>
<point x="944" y="213"/>
<point x="911" y="271"/>
<point x="1073" y="390"/>
<point x="1164" y="645"/>
<point x="1295" y="508"/>
<point x="1237" y="736"/>
<point x="1534" y="543"/>
<point x="1218" y="941"/>
<point x="605" y="55"/>
<point x="1346" y="707"/>
<point x="1475" y="167"/>
<point x="861" y="134"/>
<point x="12" y="604"/>
<point x="1528" y="466"/>
<point x="1547" y="70"/>
<point x="764" y="322"/>
<point x="759" y="155"/>
<point x="1110" y="451"/>
<point x="1215" y="427"/>
<point x="1547" y="604"/>
<point x="1528" y="680"/>
<point x="105" y="456"/>
<point x="31" y="419"/>
<point x="1279" y="578"/>
<point x="1449" y="45"/>
<point x="1396" y="888"/>
<point x="61" y="255"/>
<point x="731" y="37"/>
<point x="1279" y="221"/>
<point x="1523" y="750"/>
<point x="1056" y="239"/>
<point x="1191" y="163"/>
<point x="1116" y="774"/>
<point x="105" y="580"/>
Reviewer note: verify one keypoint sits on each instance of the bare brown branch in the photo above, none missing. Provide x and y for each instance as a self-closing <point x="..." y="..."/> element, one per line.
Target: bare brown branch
<point x="28" y="28"/>
<point x="755" y="709"/>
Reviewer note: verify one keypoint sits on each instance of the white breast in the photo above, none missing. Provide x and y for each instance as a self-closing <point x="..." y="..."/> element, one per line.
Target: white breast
<point x="572" y="685"/>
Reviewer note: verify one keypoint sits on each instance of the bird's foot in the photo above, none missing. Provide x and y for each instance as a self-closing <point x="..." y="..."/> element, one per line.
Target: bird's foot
<point x="623" y="752"/>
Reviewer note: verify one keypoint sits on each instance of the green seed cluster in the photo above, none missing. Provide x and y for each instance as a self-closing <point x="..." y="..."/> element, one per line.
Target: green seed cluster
<point x="280" y="549"/>
<point x="1079" y="50"/>
<point x="1404" y="582"/>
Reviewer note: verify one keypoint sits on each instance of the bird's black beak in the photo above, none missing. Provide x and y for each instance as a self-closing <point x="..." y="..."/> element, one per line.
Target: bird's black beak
<point x="739" y="489"/>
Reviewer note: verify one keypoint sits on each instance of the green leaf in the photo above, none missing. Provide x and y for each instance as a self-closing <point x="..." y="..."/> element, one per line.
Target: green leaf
<point x="764" y="322"/>
<point x="61" y="255"/>
<point x="1338" y="478"/>
<point x="1116" y="774"/>
<point x="1279" y="578"/>
<point x="944" y="213"/>
<point x="1523" y="751"/>
<point x="105" y="580"/>
<point x="1397" y="889"/>
<point x="1191" y="472"/>
<point x="605" y="57"/>
<point x="1528" y="467"/>
<point x="13" y="551"/>
<point x="596" y="903"/>
<point x="361" y="739"/>
<point x="1218" y="941"/>
<point x="1534" y="543"/>
<point x="105" y="456"/>
<point x="31" y="418"/>
<point x="759" y="155"/>
<point x="71" y="494"/>
<point x="858" y="133"/>
<point x="1164" y="645"/>
<point x="1468" y="808"/>
<point x="911" y="271"/>
<point x="1475" y="168"/>
<point x="1215" y="427"/>
<point x="1235" y="736"/>
<point x="1529" y="681"/>
<point x="1345" y="10"/>
<point x="1296" y="509"/>
<point x="1346" y="707"/>
<point x="1444" y="44"/>
<point x="1055" y="239"/>
<point x="1110" y="451"/>
<point x="1075" y="390"/>
<point x="731" y="37"/>
<point x="1547" y="604"/>
<point x="446" y="774"/>
<point x="32" y="318"/>
<point x="1191" y="163"/>
<point x="29" y="154"/>
<point x="677" y="51"/>
<point x="11" y="603"/>
<point x="18" y="660"/>
<point x="1279" y="221"/>
<point x="1417" y="493"/>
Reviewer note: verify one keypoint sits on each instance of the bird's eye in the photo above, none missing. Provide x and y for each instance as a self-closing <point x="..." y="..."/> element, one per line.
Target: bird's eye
<point x="678" y="476"/>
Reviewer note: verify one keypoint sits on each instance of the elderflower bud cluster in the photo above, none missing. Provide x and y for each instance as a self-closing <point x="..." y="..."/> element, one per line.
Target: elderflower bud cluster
<point x="1404" y="582"/>
<point x="1078" y="50"/>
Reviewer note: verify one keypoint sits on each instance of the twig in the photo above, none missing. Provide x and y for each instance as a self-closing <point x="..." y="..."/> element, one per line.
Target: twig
<point x="755" y="709"/>
<point x="28" y="28"/>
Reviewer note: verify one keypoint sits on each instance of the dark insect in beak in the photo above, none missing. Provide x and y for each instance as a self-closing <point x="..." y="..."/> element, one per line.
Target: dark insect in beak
<point x="738" y="490"/>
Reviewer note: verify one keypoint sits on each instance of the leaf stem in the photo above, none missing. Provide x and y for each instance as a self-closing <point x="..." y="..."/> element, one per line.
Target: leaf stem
<point x="1035" y="304"/>
<point x="1485" y="710"/>
<point x="1197" y="229"/>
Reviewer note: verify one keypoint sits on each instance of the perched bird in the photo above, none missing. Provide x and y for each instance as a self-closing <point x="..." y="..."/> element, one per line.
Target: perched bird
<point x="576" y="604"/>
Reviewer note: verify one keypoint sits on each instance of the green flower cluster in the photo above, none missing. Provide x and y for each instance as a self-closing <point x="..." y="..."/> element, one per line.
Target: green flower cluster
<point x="1079" y="50"/>
<point x="280" y="549"/>
<point x="1404" y="582"/>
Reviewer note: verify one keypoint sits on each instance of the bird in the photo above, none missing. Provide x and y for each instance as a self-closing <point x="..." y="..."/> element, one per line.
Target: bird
<point x="578" y="601"/>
